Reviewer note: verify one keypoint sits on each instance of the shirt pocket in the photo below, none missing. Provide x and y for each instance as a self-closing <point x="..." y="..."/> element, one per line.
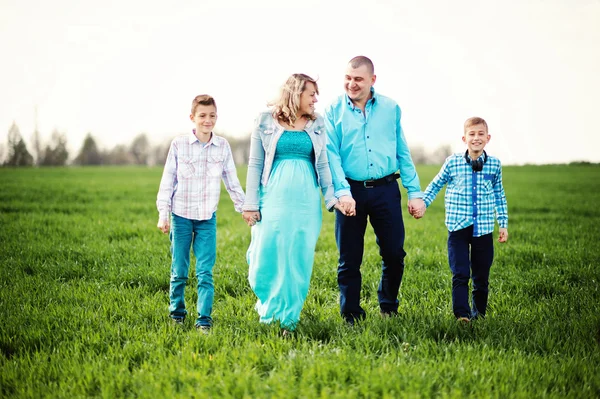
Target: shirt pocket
<point x="214" y="166"/>
<point x="487" y="184"/>
<point x="186" y="168"/>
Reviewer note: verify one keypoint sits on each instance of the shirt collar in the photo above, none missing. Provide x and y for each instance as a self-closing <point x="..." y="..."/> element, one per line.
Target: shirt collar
<point x="371" y="100"/>
<point x="193" y="139"/>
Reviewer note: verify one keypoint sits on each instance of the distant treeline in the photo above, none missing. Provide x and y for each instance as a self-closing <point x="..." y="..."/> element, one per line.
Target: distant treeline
<point x="140" y="152"/>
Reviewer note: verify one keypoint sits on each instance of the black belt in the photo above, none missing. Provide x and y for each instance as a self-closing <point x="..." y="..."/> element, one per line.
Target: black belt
<point x="377" y="182"/>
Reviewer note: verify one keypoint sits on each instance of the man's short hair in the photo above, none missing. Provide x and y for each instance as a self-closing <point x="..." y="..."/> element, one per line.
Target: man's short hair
<point x="361" y="60"/>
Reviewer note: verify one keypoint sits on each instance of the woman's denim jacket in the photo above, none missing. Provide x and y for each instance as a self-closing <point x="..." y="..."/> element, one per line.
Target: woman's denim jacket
<point x="263" y="143"/>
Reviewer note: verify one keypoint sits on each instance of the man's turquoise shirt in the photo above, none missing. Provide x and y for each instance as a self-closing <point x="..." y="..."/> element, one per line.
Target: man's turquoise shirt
<point x="369" y="145"/>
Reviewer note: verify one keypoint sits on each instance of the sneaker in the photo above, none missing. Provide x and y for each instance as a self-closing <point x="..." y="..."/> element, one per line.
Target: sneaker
<point x="463" y="320"/>
<point x="286" y="333"/>
<point x="203" y="329"/>
<point x="178" y="320"/>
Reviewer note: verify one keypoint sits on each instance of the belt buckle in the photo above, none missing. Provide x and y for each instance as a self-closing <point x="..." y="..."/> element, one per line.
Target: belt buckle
<point x="369" y="183"/>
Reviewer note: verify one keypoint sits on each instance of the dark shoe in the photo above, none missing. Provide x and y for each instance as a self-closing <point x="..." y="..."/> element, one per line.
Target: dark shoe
<point x="477" y="316"/>
<point x="286" y="333"/>
<point x="352" y="320"/>
<point x="178" y="320"/>
<point x="388" y="313"/>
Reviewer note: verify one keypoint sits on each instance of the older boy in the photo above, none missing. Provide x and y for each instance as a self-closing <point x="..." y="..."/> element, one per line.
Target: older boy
<point x="474" y="192"/>
<point x="188" y="195"/>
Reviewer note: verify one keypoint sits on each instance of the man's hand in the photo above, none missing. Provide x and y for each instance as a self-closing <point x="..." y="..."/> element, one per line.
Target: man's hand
<point x="164" y="225"/>
<point x="416" y="207"/>
<point x="346" y="205"/>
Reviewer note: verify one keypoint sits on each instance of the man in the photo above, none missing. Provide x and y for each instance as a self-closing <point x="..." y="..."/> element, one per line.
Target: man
<point x="366" y="149"/>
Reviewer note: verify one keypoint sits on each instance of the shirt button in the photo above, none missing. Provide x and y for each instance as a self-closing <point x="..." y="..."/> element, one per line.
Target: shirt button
<point x="368" y="136"/>
<point x="369" y="150"/>
<point x="474" y="188"/>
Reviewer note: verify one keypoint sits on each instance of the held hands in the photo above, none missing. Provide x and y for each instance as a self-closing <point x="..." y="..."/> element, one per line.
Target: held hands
<point x="346" y="205"/>
<point x="164" y="226"/>
<point x="251" y="217"/>
<point x="503" y="236"/>
<point x="416" y="207"/>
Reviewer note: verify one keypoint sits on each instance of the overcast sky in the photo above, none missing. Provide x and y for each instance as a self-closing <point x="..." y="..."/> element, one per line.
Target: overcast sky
<point x="120" y="68"/>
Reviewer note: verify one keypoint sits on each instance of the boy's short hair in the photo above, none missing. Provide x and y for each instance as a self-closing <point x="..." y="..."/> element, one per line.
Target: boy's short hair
<point x="475" y="120"/>
<point x="203" y="99"/>
<point x="361" y="60"/>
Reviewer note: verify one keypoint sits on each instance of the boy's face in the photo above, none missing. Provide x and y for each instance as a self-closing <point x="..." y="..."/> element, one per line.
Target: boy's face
<point x="358" y="83"/>
<point x="308" y="99"/>
<point x="476" y="137"/>
<point x="205" y="118"/>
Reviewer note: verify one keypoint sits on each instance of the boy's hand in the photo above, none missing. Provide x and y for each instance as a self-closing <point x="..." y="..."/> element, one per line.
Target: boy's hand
<point x="416" y="207"/>
<point x="503" y="237"/>
<point x="251" y="217"/>
<point x="164" y="226"/>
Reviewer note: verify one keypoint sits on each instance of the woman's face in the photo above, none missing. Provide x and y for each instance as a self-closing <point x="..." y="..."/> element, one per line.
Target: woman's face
<point x="308" y="99"/>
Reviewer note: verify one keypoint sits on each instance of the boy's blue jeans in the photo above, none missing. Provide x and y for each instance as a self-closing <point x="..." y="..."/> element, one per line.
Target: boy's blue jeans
<point x="201" y="236"/>
<point x="465" y="263"/>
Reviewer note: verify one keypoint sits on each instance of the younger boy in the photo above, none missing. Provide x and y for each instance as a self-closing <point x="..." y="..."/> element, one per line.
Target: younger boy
<point x="474" y="192"/>
<point x="188" y="195"/>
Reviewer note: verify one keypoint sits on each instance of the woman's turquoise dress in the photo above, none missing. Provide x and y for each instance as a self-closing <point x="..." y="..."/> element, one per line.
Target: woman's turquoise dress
<point x="282" y="249"/>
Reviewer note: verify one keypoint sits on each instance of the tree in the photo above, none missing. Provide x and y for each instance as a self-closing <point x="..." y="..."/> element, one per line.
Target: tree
<point x="89" y="153"/>
<point x="159" y="153"/>
<point x="119" y="155"/>
<point x="418" y="155"/>
<point x="440" y="154"/>
<point x="240" y="148"/>
<point x="17" y="149"/>
<point x="56" y="153"/>
<point x="37" y="146"/>
<point x="140" y="149"/>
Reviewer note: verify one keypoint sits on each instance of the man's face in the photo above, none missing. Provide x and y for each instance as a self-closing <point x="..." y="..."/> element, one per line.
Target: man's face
<point x="476" y="137"/>
<point x="358" y="83"/>
<point x="205" y="118"/>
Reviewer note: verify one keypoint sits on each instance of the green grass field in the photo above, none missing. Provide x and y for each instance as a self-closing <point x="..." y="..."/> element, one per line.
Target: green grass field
<point x="84" y="292"/>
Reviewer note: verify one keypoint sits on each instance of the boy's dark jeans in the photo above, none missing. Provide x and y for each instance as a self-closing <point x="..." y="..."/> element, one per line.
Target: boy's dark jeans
<point x="461" y="244"/>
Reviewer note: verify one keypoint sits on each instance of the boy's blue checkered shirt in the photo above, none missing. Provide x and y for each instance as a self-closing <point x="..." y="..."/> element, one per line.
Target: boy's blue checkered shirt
<point x="471" y="197"/>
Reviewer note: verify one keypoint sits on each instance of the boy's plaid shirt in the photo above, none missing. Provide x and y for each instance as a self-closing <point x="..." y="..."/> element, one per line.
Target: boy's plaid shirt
<point x="471" y="197"/>
<point x="191" y="182"/>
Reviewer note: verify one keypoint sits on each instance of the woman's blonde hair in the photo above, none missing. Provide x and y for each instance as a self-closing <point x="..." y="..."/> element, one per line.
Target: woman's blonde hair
<point x="286" y="107"/>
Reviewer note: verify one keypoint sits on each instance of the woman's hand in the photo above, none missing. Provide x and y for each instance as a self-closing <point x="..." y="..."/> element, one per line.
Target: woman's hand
<point x="251" y="217"/>
<point x="346" y="205"/>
